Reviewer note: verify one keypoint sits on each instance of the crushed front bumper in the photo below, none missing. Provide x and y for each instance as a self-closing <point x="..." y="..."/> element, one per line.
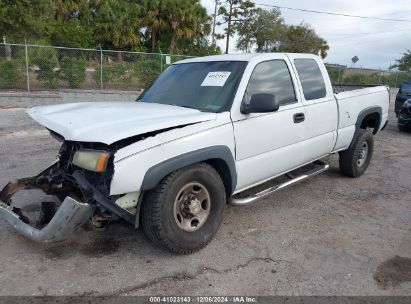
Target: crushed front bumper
<point x="56" y="226"/>
<point x="70" y="215"/>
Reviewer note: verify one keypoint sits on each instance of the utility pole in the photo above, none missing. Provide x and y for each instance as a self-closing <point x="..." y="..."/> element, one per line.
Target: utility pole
<point x="214" y="20"/>
<point x="229" y="28"/>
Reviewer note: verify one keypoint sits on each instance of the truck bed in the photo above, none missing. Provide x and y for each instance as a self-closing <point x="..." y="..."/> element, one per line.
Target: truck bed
<point x="351" y="101"/>
<point x="339" y="88"/>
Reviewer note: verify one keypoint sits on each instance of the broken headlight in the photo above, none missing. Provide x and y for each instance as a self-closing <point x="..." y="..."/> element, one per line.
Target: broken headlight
<point x="91" y="160"/>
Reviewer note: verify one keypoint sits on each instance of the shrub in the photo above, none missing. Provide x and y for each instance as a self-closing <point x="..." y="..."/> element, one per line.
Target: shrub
<point x="46" y="74"/>
<point x="46" y="60"/>
<point x="73" y="70"/>
<point x="9" y="74"/>
<point x="111" y="73"/>
<point x="335" y="74"/>
<point x="146" y="71"/>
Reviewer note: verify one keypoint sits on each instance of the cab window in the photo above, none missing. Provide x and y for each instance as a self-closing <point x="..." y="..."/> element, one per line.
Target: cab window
<point x="311" y="78"/>
<point x="272" y="77"/>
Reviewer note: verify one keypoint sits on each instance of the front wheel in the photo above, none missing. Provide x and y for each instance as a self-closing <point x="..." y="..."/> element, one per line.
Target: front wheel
<point x="185" y="210"/>
<point x="355" y="160"/>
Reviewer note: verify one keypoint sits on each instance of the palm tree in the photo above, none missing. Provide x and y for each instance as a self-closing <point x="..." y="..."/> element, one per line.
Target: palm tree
<point x="117" y="23"/>
<point x="153" y="19"/>
<point x="186" y="19"/>
<point x="404" y="63"/>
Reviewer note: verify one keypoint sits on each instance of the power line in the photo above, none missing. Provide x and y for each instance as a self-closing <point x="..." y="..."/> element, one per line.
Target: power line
<point x="369" y="33"/>
<point x="333" y="14"/>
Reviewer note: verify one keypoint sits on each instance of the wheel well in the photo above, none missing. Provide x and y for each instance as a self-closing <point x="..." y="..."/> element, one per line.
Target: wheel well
<point x="371" y="120"/>
<point x="224" y="171"/>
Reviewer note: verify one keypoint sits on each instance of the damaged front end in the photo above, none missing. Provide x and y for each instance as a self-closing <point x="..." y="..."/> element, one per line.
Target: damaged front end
<point x="55" y="223"/>
<point x="78" y="195"/>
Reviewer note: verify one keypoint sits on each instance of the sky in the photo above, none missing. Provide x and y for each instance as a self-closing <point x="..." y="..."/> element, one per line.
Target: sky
<point x="376" y="43"/>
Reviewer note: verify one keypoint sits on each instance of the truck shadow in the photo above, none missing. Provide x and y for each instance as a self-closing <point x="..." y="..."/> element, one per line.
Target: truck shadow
<point x="118" y="238"/>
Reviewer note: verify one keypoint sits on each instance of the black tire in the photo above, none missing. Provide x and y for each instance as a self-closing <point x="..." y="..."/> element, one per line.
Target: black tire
<point x="351" y="163"/>
<point x="402" y="128"/>
<point x="159" y="222"/>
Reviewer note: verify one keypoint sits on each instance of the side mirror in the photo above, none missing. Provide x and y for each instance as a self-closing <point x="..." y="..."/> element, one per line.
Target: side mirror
<point x="261" y="103"/>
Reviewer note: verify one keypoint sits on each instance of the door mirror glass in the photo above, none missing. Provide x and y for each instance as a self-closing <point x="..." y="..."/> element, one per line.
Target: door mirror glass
<point x="261" y="103"/>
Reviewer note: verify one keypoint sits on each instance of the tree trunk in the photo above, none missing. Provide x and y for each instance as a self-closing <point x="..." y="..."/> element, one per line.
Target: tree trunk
<point x="153" y="39"/>
<point x="173" y="42"/>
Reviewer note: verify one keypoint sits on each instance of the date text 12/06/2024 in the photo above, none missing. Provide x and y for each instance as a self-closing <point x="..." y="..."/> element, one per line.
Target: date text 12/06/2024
<point x="201" y="299"/>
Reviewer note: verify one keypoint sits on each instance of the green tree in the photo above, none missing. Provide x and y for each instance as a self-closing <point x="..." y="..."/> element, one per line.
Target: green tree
<point x="72" y="22"/>
<point x="303" y="39"/>
<point x="72" y="34"/>
<point x="198" y="47"/>
<point x="173" y="25"/>
<point x="21" y="19"/>
<point x="261" y="28"/>
<point x="186" y="19"/>
<point x="154" y="20"/>
<point x="118" y="23"/>
<point x="404" y="63"/>
<point x="233" y="12"/>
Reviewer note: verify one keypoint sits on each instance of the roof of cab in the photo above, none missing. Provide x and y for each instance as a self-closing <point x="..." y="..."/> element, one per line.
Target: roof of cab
<point x="232" y="57"/>
<point x="225" y="57"/>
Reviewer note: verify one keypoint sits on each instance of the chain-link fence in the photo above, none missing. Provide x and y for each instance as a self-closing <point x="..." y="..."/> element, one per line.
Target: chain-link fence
<point x="362" y="76"/>
<point x="35" y="67"/>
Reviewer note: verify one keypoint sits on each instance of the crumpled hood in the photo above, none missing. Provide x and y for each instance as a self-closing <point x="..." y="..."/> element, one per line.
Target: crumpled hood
<point x="108" y="122"/>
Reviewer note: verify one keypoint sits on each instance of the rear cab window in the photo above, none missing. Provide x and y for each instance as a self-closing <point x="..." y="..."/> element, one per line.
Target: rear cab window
<point x="311" y="78"/>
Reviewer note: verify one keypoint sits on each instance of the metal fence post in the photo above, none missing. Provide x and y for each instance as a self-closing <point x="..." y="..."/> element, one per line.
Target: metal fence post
<point x="101" y="68"/>
<point x="396" y="79"/>
<point x="27" y="66"/>
<point x="161" y="61"/>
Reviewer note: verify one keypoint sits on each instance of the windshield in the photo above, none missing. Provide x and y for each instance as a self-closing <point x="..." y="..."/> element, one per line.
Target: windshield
<point x="406" y="88"/>
<point x="205" y="86"/>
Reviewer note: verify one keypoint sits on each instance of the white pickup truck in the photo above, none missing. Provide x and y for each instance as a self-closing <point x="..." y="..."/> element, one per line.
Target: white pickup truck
<point x="205" y="131"/>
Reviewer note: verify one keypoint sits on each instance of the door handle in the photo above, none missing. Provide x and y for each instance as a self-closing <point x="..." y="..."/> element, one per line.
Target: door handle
<point x="299" y="117"/>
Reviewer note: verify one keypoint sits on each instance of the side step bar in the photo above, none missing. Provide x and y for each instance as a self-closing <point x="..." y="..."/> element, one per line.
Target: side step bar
<point x="319" y="167"/>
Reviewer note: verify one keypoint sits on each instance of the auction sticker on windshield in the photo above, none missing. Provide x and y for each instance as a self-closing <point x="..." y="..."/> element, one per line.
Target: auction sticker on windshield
<point x="215" y="79"/>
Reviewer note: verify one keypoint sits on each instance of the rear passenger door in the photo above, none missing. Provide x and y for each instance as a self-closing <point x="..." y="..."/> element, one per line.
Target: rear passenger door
<point x="267" y="144"/>
<point x="320" y="105"/>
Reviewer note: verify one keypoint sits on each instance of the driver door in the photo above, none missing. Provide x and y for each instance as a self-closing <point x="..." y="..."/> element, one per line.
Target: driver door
<point x="269" y="144"/>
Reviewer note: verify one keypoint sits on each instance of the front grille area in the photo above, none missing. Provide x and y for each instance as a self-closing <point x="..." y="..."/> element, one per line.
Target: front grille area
<point x="100" y="181"/>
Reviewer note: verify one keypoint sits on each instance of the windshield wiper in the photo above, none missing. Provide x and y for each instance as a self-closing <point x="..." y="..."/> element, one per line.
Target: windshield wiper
<point x="183" y="106"/>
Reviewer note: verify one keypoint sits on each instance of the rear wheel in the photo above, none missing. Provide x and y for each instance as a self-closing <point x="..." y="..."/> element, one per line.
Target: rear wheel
<point x="355" y="160"/>
<point x="183" y="213"/>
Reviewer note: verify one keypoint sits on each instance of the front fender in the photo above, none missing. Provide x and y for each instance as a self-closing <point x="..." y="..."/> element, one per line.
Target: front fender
<point x="139" y="167"/>
<point x="156" y="173"/>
